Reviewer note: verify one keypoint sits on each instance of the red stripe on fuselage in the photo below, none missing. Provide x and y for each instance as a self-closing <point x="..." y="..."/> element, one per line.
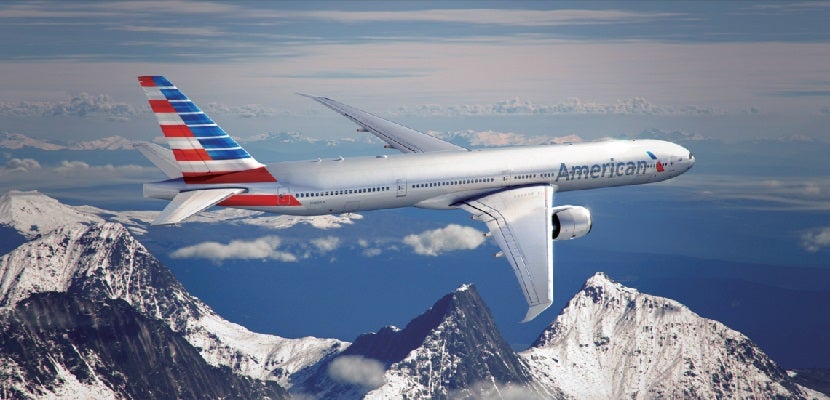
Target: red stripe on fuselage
<point x="260" y="200"/>
<point x="247" y="176"/>
<point x="161" y="106"/>
<point x="191" y="155"/>
<point x="176" y="131"/>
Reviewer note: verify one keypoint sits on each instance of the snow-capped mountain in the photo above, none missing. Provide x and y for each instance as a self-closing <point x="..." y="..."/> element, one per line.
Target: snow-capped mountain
<point x="16" y="141"/>
<point x="609" y="342"/>
<point x="104" y="261"/>
<point x="453" y="350"/>
<point x="612" y="342"/>
<point x="59" y="345"/>
<point x="32" y="213"/>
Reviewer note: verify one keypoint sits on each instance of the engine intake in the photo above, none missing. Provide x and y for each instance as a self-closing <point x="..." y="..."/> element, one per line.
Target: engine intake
<point x="570" y="222"/>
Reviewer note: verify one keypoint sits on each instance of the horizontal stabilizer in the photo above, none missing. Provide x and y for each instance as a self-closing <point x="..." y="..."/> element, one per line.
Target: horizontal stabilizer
<point x="160" y="157"/>
<point x="186" y="204"/>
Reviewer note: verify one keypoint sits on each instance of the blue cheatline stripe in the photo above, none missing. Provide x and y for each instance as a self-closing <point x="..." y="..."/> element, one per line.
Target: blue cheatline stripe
<point x="207" y="131"/>
<point x="173" y="94"/>
<point x="227" y="154"/>
<point x="161" y="81"/>
<point x="196" y="119"/>
<point x="184" y="107"/>
<point x="650" y="154"/>
<point x="218" y="143"/>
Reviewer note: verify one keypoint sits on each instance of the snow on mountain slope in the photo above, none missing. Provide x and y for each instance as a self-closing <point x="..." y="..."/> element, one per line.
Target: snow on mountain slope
<point x="104" y="261"/>
<point x="62" y="345"/>
<point x="613" y="342"/>
<point x="16" y="141"/>
<point x="32" y="213"/>
<point x="453" y="350"/>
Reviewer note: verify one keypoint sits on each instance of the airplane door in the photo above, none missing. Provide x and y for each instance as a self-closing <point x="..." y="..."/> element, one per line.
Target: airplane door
<point x="401" y="183"/>
<point x="283" y="199"/>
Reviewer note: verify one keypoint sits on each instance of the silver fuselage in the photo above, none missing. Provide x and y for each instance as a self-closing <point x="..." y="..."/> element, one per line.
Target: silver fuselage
<point x="440" y="180"/>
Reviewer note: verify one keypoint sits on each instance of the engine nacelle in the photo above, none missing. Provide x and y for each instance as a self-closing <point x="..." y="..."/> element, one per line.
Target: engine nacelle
<point x="570" y="222"/>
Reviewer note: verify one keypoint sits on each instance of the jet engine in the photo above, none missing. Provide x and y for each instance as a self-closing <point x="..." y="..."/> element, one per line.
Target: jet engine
<point x="570" y="222"/>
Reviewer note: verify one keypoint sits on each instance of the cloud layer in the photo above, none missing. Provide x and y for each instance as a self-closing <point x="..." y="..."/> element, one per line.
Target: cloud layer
<point x="515" y="106"/>
<point x="83" y="105"/>
<point x="450" y="238"/>
<point x="266" y="247"/>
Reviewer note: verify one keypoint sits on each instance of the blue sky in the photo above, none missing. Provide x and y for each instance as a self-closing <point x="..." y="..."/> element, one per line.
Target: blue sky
<point x="742" y="84"/>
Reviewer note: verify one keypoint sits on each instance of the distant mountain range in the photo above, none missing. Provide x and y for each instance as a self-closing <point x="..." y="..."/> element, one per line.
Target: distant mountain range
<point x="19" y="141"/>
<point x="87" y="311"/>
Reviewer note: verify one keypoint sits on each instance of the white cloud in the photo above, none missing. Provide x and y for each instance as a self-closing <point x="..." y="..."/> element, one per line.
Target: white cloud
<point x="357" y="370"/>
<point x="266" y="247"/>
<point x="452" y="237"/>
<point x="491" y="391"/>
<point x="371" y="252"/>
<point x="244" y="111"/>
<point x="369" y="249"/>
<point x="574" y="105"/>
<point x="326" y="244"/>
<point x="67" y="167"/>
<point x="795" y="194"/>
<point x="816" y="239"/>
<point x="494" y="138"/>
<point x="83" y="105"/>
<point x="22" y="165"/>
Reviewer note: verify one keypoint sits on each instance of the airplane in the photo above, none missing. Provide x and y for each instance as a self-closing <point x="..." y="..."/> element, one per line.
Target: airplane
<point x="510" y="189"/>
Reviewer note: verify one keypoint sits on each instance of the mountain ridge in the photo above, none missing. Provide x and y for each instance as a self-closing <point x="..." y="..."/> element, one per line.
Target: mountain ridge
<point x="610" y="341"/>
<point x="103" y="260"/>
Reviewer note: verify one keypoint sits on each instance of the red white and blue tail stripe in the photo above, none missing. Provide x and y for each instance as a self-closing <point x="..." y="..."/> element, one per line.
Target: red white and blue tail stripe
<point x="203" y="151"/>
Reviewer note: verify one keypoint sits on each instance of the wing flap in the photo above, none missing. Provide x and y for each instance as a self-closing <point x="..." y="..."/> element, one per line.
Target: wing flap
<point x="519" y="220"/>
<point x="188" y="203"/>
<point x="397" y="136"/>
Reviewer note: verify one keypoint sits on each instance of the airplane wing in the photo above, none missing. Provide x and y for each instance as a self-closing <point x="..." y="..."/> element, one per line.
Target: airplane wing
<point x="520" y="221"/>
<point x="188" y="203"/>
<point x="397" y="136"/>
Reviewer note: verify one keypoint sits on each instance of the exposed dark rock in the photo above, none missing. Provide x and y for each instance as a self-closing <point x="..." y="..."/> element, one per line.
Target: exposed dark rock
<point x="108" y="344"/>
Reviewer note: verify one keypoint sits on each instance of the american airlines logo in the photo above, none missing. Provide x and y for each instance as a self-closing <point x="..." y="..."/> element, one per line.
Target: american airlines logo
<point x="610" y="169"/>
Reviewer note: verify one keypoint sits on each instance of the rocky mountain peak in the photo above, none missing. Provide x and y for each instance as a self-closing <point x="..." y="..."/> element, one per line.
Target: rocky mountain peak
<point x="458" y="311"/>
<point x="453" y="349"/>
<point x="103" y="261"/>
<point x="67" y="346"/>
<point x="611" y="341"/>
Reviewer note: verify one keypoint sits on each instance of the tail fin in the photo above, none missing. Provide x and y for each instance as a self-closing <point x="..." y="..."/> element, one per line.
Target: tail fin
<point x="204" y="153"/>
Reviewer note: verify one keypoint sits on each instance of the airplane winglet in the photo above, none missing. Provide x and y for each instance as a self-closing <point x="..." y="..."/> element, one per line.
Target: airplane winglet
<point x="534" y="311"/>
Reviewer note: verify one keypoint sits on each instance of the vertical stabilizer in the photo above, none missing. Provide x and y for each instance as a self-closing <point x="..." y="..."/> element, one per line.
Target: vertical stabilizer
<point x="202" y="150"/>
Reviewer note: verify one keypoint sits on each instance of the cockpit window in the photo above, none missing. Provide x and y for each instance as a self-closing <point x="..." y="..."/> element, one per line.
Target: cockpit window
<point x="691" y="156"/>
